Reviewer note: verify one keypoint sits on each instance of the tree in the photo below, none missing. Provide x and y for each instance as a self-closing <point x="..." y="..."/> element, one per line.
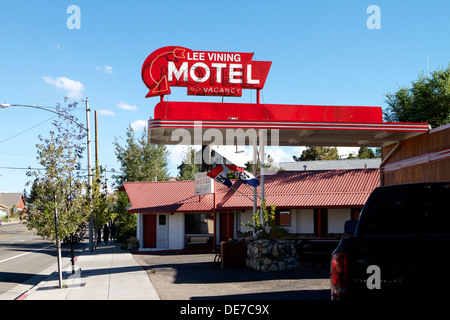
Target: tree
<point x="188" y="167"/>
<point x="30" y="198"/>
<point x="269" y="165"/>
<point x="427" y="100"/>
<point x="318" y="153"/>
<point x="125" y="222"/>
<point x="58" y="209"/>
<point x="268" y="229"/>
<point x="99" y="202"/>
<point x="140" y="160"/>
<point x="58" y="185"/>
<point x="366" y="153"/>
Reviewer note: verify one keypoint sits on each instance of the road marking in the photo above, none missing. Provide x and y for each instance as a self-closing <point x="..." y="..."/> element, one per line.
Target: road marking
<point x="24" y="254"/>
<point x="9" y="235"/>
<point x="22" y="296"/>
<point x="8" y="229"/>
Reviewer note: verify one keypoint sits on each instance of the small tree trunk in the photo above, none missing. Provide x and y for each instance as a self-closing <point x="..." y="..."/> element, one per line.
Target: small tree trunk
<point x="58" y="245"/>
<point x="72" y="253"/>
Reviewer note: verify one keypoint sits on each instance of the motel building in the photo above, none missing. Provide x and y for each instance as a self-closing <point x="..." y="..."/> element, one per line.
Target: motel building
<point x="313" y="203"/>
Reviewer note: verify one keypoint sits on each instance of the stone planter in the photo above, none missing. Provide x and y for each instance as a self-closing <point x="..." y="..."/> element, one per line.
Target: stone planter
<point x="269" y="255"/>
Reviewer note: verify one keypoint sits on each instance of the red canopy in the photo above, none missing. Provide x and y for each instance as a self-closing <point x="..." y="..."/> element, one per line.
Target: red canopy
<point x="297" y="125"/>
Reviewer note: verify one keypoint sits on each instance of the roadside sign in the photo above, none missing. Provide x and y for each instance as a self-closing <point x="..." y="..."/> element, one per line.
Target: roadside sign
<point x="203" y="184"/>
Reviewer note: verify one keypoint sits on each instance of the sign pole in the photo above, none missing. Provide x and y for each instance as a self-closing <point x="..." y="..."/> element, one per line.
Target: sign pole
<point x="262" y="142"/>
<point x="255" y="168"/>
<point x="214" y="214"/>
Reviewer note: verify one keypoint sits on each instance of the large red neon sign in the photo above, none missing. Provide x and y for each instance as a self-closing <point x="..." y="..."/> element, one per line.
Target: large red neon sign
<point x="202" y="72"/>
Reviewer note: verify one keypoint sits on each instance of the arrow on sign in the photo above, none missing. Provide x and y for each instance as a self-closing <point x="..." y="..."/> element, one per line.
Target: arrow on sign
<point x="154" y="70"/>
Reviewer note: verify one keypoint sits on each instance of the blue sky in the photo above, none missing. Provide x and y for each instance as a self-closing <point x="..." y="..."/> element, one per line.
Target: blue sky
<point x="322" y="53"/>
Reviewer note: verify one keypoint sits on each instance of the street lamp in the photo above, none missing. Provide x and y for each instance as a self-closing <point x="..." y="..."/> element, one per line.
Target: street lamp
<point x="91" y="218"/>
<point x="6" y="105"/>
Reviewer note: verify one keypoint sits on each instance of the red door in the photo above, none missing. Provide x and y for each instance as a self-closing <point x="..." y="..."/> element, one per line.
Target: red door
<point x="149" y="230"/>
<point x="226" y="225"/>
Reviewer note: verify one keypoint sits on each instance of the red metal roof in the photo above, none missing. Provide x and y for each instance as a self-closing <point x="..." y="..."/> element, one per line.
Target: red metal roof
<point x="285" y="189"/>
<point x="166" y="196"/>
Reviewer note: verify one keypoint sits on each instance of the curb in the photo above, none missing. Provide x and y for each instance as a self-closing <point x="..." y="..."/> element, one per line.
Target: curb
<point x="30" y="291"/>
<point x="22" y="291"/>
<point x="8" y="223"/>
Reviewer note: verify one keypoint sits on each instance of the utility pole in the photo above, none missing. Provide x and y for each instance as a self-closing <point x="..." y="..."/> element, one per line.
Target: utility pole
<point x="91" y="218"/>
<point x="96" y="140"/>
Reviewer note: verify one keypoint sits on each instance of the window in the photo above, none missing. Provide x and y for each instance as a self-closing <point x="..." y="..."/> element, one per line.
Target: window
<point x="199" y="223"/>
<point x="407" y="210"/>
<point x="284" y="218"/>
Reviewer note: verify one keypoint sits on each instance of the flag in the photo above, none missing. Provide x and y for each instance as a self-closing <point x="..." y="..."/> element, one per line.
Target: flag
<point x="219" y="173"/>
<point x="247" y="177"/>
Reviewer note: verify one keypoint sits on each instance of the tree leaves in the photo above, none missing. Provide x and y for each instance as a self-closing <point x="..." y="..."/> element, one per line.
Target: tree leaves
<point x="318" y="153"/>
<point x="427" y="100"/>
<point x="140" y="160"/>
<point x="188" y="169"/>
<point x="58" y="187"/>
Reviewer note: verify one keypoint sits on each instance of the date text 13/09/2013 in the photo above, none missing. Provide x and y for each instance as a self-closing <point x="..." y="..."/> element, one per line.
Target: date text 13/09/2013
<point x="235" y="309"/>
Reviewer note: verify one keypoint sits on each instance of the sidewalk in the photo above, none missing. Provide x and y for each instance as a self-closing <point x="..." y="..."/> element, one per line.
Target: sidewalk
<point x="108" y="273"/>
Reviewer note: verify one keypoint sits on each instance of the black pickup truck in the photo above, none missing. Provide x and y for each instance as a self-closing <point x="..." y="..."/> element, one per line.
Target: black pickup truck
<point x="399" y="247"/>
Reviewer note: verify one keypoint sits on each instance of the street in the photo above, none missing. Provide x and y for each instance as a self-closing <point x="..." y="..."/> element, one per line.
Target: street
<point x="23" y="254"/>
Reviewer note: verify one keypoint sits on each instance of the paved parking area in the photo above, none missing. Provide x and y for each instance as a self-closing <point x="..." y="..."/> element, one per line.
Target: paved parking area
<point x="184" y="276"/>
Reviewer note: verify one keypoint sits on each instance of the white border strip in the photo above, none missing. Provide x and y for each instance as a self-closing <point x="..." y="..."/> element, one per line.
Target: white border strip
<point x="414" y="161"/>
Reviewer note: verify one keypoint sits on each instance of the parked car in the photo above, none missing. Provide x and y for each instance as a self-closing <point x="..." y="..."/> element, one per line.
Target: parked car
<point x="399" y="246"/>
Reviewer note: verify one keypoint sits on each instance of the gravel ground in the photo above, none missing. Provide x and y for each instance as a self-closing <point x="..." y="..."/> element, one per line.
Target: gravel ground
<point x="185" y="276"/>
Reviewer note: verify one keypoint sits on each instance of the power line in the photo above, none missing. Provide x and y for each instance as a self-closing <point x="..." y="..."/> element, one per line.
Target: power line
<point x="41" y="107"/>
<point x="19" y="168"/>
<point x="27" y="130"/>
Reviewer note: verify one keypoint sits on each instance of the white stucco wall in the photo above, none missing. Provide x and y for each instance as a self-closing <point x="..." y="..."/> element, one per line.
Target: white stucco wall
<point x="337" y="218"/>
<point x="175" y="224"/>
<point x="176" y="231"/>
<point x="301" y="221"/>
<point x="305" y="220"/>
<point x="244" y="217"/>
<point x="140" y="229"/>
